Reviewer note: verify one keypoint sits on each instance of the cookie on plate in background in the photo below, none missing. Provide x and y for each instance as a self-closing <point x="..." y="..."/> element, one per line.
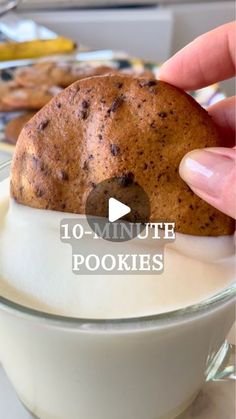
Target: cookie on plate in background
<point x="14" y="126"/>
<point x="20" y="98"/>
<point x="142" y="73"/>
<point x="5" y="88"/>
<point x="57" y="74"/>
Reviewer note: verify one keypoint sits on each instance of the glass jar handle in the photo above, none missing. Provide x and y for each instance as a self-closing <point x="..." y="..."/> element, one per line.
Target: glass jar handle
<point x="7" y="6"/>
<point x="222" y="366"/>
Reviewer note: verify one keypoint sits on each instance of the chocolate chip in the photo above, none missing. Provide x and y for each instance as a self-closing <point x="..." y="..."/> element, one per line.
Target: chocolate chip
<point x="93" y="185"/>
<point x="119" y="85"/>
<point x="63" y="206"/>
<point x="83" y="114"/>
<point x="115" y="149"/>
<point x="58" y="105"/>
<point x="85" y="165"/>
<point x="116" y="104"/>
<point x="85" y="104"/>
<point x="43" y="124"/>
<point x="152" y="83"/>
<point x="145" y="166"/>
<point x="45" y="169"/>
<point x="211" y="218"/>
<point x="162" y="114"/>
<point x="189" y="190"/>
<point x="39" y="193"/>
<point x="148" y="83"/>
<point x="191" y="207"/>
<point x="35" y="161"/>
<point x="63" y="175"/>
<point x="126" y="179"/>
<point x="100" y="137"/>
<point x="179" y="200"/>
<point x="41" y="166"/>
<point x="153" y="125"/>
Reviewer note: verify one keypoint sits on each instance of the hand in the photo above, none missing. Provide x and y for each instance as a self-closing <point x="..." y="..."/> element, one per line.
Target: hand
<point x="210" y="173"/>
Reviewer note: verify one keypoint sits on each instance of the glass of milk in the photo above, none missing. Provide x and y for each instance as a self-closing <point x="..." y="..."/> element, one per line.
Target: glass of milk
<point x="145" y="366"/>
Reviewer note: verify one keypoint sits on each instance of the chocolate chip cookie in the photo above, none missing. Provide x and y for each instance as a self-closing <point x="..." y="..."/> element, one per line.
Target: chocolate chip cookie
<point x="5" y="88"/>
<point x="57" y="73"/>
<point x="117" y="126"/>
<point x="20" y="98"/>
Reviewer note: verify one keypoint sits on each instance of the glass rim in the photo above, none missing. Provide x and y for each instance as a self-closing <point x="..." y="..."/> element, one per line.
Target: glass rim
<point x="228" y="294"/>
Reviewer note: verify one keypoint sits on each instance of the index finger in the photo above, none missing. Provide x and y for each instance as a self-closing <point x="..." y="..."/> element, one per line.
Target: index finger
<point x="208" y="59"/>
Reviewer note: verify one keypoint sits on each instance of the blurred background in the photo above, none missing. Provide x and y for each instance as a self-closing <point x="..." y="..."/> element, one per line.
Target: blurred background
<point x="149" y="29"/>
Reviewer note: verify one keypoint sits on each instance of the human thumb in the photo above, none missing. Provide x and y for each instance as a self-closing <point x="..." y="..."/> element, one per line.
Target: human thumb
<point x="211" y="174"/>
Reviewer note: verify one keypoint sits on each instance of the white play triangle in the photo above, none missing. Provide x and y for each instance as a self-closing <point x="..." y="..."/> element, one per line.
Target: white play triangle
<point x="117" y="210"/>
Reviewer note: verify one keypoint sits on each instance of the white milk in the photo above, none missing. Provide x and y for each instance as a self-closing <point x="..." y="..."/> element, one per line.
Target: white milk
<point x="80" y="369"/>
<point x="41" y="275"/>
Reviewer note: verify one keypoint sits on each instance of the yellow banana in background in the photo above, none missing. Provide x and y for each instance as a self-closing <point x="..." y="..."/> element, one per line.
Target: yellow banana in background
<point x="36" y="48"/>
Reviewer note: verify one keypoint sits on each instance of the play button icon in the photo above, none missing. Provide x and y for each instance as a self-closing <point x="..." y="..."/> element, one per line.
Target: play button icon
<point x="117" y="210"/>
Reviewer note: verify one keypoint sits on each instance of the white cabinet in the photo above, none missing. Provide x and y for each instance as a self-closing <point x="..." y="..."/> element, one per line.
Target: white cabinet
<point x="142" y="32"/>
<point x="152" y="33"/>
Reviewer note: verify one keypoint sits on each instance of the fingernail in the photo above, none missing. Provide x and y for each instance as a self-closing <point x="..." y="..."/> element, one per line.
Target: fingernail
<point x="206" y="171"/>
